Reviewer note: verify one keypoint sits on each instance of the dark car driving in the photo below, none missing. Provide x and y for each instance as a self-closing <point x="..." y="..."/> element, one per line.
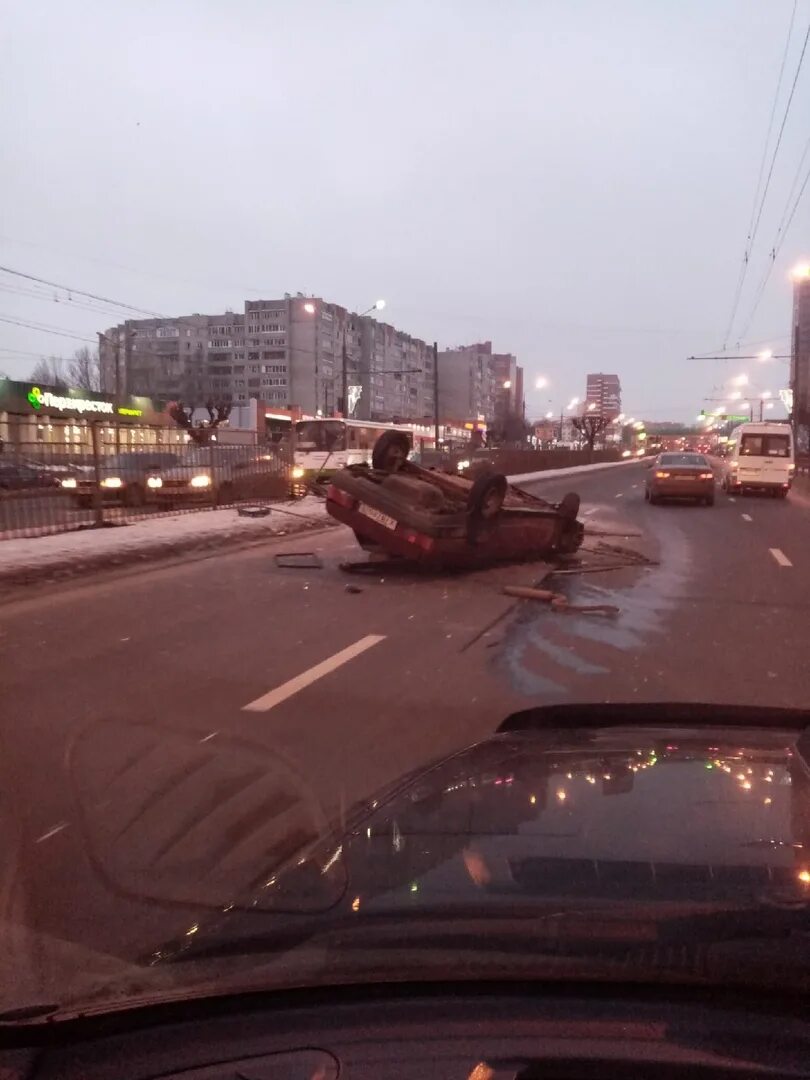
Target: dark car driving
<point x="680" y="476"/>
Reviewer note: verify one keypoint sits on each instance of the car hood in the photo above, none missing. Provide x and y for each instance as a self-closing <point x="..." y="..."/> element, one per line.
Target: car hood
<point x="631" y="817"/>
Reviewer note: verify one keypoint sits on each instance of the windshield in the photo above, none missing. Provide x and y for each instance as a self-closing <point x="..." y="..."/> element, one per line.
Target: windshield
<point x="321" y="435"/>
<point x="370" y="374"/>
<point x="695" y="460"/>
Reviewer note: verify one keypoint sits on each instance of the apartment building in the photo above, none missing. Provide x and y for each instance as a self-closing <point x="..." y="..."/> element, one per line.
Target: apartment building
<point x="287" y="352"/>
<point x="476" y="382"/>
<point x="604" y="392"/>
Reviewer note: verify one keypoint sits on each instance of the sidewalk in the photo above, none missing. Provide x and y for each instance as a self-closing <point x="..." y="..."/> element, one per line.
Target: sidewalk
<point x="70" y="554"/>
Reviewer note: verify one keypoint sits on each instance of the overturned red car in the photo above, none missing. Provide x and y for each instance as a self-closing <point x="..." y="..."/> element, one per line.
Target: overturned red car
<point x="430" y="517"/>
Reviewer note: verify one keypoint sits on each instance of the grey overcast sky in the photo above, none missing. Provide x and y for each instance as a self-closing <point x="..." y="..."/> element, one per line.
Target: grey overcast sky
<point x="572" y="179"/>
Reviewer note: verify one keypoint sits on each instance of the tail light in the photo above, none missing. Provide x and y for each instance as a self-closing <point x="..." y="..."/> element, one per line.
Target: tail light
<point x="661" y="475"/>
<point x="414" y="537"/>
<point x="707" y="476"/>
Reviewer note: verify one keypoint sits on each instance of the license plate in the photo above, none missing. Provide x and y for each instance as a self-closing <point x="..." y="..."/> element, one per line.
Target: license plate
<point x="378" y="516"/>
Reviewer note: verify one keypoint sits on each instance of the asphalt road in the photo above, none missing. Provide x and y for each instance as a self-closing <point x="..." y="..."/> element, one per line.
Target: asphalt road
<point x="114" y="691"/>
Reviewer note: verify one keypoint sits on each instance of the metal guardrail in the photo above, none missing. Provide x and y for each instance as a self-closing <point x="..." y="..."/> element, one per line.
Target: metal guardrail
<point x="60" y="486"/>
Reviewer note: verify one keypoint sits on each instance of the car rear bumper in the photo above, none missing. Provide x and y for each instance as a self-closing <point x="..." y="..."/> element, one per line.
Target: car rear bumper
<point x="683" y="489"/>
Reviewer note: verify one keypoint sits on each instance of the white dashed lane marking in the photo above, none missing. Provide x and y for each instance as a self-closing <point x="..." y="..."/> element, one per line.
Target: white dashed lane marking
<point x="747" y="517"/>
<point x="780" y="557"/>
<point x="620" y="495"/>
<point x="306" y="678"/>
<point x="52" y="832"/>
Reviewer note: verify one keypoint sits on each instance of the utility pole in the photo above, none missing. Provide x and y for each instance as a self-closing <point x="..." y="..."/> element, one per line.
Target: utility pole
<point x="436" y="395"/>
<point x="344" y="389"/>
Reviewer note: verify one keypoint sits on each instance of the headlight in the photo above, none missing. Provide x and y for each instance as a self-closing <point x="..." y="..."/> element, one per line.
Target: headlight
<point x="626" y="453"/>
<point x="69" y="482"/>
<point x="298" y="472"/>
<point x="154" y="482"/>
<point x="112" y="482"/>
<point x="462" y="465"/>
<point x="203" y="480"/>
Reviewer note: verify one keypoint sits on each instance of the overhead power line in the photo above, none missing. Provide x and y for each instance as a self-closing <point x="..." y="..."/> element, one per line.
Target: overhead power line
<point x="776" y="248"/>
<point x="82" y="292"/>
<point x="57" y="330"/>
<point x="760" y="193"/>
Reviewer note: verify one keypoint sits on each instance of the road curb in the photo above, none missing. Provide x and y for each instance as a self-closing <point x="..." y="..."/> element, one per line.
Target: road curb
<point x="69" y="569"/>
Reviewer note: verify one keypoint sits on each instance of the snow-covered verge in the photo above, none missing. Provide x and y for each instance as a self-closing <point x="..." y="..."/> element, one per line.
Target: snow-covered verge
<point x="70" y="554"/>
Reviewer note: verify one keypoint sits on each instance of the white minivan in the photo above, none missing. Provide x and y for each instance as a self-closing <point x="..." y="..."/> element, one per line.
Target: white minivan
<point x="760" y="457"/>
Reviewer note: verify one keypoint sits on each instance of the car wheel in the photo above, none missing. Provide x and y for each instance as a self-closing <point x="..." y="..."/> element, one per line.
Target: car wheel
<point x="134" y="495"/>
<point x="390" y="451"/>
<point x="653" y="499"/>
<point x="486" y="496"/>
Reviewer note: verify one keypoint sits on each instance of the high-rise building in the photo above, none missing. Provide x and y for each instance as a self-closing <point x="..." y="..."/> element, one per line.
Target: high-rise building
<point x="289" y="352"/>
<point x="466" y="383"/>
<point x="476" y="382"/>
<point x="604" y="392"/>
<point x="800" y="353"/>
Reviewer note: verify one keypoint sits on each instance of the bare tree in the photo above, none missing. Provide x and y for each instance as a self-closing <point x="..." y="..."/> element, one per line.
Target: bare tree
<point x="201" y="433"/>
<point x="590" y="426"/>
<point x="49" y="372"/>
<point x="84" y="370"/>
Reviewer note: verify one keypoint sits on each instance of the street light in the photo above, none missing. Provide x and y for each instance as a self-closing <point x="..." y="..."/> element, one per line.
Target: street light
<point x="549" y="416"/>
<point x="507" y="384"/>
<point x="740" y="380"/>
<point x="540" y="382"/>
<point x="309" y="308"/>
<point x="591" y="406"/>
<point x="378" y="305"/>
<point x="800" y="271"/>
<point x="765" y="355"/>
<point x="735" y="395"/>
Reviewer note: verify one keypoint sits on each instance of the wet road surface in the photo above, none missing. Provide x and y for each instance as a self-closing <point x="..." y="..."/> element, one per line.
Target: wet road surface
<point x="111" y="688"/>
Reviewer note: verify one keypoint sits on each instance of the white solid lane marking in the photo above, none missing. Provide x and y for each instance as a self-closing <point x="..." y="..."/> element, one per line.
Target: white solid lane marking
<point x="52" y="832"/>
<point x="306" y="678"/>
<point x="780" y="557"/>
<point x="747" y="517"/>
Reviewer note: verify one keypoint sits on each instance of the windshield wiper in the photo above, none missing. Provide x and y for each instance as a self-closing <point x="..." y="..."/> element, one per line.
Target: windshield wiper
<point x="613" y="714"/>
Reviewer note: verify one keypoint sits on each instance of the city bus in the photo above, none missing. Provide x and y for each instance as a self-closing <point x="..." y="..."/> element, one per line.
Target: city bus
<point x="325" y="445"/>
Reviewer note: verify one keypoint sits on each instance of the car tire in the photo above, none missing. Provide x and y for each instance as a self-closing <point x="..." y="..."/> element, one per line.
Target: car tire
<point x="390" y="451"/>
<point x="709" y="500"/>
<point x="654" y="499"/>
<point x="486" y="496"/>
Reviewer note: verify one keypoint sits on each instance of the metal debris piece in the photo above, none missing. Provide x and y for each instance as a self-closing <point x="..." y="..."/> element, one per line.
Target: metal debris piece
<point x="558" y="602"/>
<point x="298" y="560"/>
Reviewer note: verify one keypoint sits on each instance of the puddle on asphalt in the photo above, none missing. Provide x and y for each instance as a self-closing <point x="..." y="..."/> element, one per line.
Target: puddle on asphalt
<point x="546" y="655"/>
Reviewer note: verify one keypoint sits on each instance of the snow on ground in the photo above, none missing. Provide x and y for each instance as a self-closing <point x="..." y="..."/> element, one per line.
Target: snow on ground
<point x="160" y="533"/>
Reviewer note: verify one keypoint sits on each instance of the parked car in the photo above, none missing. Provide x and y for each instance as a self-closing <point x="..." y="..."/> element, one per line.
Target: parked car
<point x="680" y="476"/>
<point x="129" y="478"/>
<point x="17" y="476"/>
<point x="438" y="519"/>
<point x="222" y="474"/>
